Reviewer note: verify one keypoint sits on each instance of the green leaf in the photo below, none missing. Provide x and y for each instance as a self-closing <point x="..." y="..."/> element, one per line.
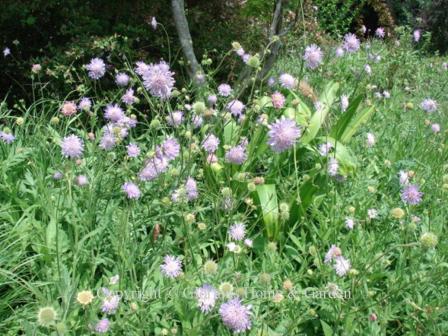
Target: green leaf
<point x="267" y="194"/>
<point x="358" y="120"/>
<point x="345" y="119"/>
<point x="326" y="99"/>
<point x="231" y="131"/>
<point x="326" y="328"/>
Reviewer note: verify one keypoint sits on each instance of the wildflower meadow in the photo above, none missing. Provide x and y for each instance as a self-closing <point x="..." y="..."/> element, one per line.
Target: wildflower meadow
<point x="157" y="196"/>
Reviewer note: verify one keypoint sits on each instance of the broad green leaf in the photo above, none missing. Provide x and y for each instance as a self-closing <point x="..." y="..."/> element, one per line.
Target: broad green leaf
<point x="343" y="154"/>
<point x="267" y="195"/>
<point x="326" y="328"/>
<point x="360" y="118"/>
<point x="231" y="131"/>
<point x="346" y="118"/>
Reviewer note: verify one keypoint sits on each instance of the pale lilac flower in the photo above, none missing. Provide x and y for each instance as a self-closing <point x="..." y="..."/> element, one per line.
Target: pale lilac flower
<point x="368" y="69"/>
<point x="96" y="68"/>
<point x="333" y="166"/>
<point x="171" y="267"/>
<point x="282" y="134"/>
<point x="232" y="246"/>
<point x="246" y="58"/>
<point x="68" y="109"/>
<point x="236" y="107"/>
<point x="339" y="52"/>
<point x="7" y="137"/>
<point x="102" y="326"/>
<point x="110" y="304"/>
<point x="36" y="68"/>
<point x="445" y="65"/>
<point x="197" y="121"/>
<point x="153" y="168"/>
<point x="212" y="158"/>
<point x="332" y="253"/>
<point x="191" y="189"/>
<point x="212" y="99"/>
<point x="128" y="98"/>
<point x="122" y="79"/>
<point x="206" y="297"/>
<point x="107" y="141"/>
<point x="58" y="175"/>
<point x="248" y="242"/>
<point x="170" y="148"/>
<point x="278" y="100"/>
<point x="380" y="32"/>
<point x="133" y="150"/>
<point x="113" y="113"/>
<point x="429" y="105"/>
<point x="85" y="104"/>
<point x="370" y="140"/>
<point x="404" y="177"/>
<point x="224" y="90"/>
<point x="158" y="79"/>
<point x="271" y="81"/>
<point x="210" y="143"/>
<point x="344" y="103"/>
<point x="287" y="81"/>
<point x="131" y="190"/>
<point x="175" y="118"/>
<point x="435" y="128"/>
<point x="237" y="231"/>
<point x="411" y="194"/>
<point x="351" y="43"/>
<point x="341" y="266"/>
<point x="417" y="35"/>
<point x="82" y="180"/>
<point x="325" y="148"/>
<point x="240" y="52"/>
<point x="236" y="155"/>
<point x="349" y="223"/>
<point x="235" y="316"/>
<point x="72" y="146"/>
<point x="154" y="23"/>
<point x="313" y="56"/>
<point x="6" y="52"/>
<point x="372" y="213"/>
<point x="141" y="68"/>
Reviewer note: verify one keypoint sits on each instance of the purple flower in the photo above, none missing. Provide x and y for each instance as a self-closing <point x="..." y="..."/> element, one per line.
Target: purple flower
<point x="411" y="194"/>
<point x="131" y="190"/>
<point x="96" y="68"/>
<point x="339" y="52"/>
<point x="210" y="143"/>
<point x="170" y="148"/>
<point x="113" y="113"/>
<point x="72" y="147"/>
<point x="235" y="316"/>
<point x="237" y="231"/>
<point x="417" y="35"/>
<point x="212" y="99"/>
<point x="351" y="43"/>
<point x="133" y="150"/>
<point x="175" y="118"/>
<point x="141" y="68"/>
<point x="325" y="148"/>
<point x="278" y="100"/>
<point x="429" y="105"/>
<point x="332" y="253"/>
<point x="6" y="52"/>
<point x="85" y="104"/>
<point x="271" y="81"/>
<point x="191" y="189"/>
<point x="236" y="155"/>
<point x="368" y="69"/>
<point x="122" y="79"/>
<point x="197" y="121"/>
<point x="128" y="98"/>
<point x="236" y="107"/>
<point x="110" y="304"/>
<point x="380" y="33"/>
<point x="58" y="175"/>
<point x="171" y="267"/>
<point x="81" y="180"/>
<point x="349" y="223"/>
<point x="102" y="326"/>
<point x="287" y="81"/>
<point x="333" y="166"/>
<point x="224" y="90"/>
<point x="206" y="296"/>
<point x="7" y="137"/>
<point x="344" y="103"/>
<point x="157" y="79"/>
<point x="154" y="167"/>
<point x="313" y="56"/>
<point x="435" y="128"/>
<point x="341" y="266"/>
<point x="107" y="141"/>
<point x="282" y="134"/>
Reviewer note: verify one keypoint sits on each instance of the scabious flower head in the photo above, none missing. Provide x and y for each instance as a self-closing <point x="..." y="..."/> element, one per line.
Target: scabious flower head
<point x="191" y="189"/>
<point x="122" y="79"/>
<point x="131" y="190"/>
<point x="206" y="296"/>
<point x="210" y="143"/>
<point x="141" y="68"/>
<point x="368" y="69"/>
<point x="102" y="326"/>
<point x="248" y="242"/>
<point x="380" y="32"/>
<point x="344" y="103"/>
<point x="153" y="168"/>
<point x="404" y="177"/>
<point x="435" y="128"/>
<point x="411" y="194"/>
<point x="110" y="304"/>
<point x="287" y="81"/>
<point x="133" y="150"/>
<point x="85" y="297"/>
<point x="325" y="148"/>
<point x="113" y="113"/>
<point x="236" y="107"/>
<point x="175" y="118"/>
<point x="128" y="98"/>
<point x="349" y="223"/>
<point x="212" y="99"/>
<point x="158" y="79"/>
<point x="171" y="267"/>
<point x="416" y="34"/>
<point x="282" y="134"/>
<point x="68" y="109"/>
<point x="85" y="104"/>
<point x="235" y="316"/>
<point x="339" y="52"/>
<point x="236" y="155"/>
<point x="46" y="316"/>
<point x="154" y="23"/>
<point x="197" y="121"/>
<point x="332" y="253"/>
<point x="7" y="137"/>
<point x="36" y="68"/>
<point x="333" y="166"/>
<point x="82" y="180"/>
<point x="278" y="100"/>
<point x="313" y="56"/>
<point x="6" y="52"/>
<point x="370" y="139"/>
<point x="58" y="175"/>
<point x="237" y="231"/>
<point x="341" y="266"/>
<point x="224" y="90"/>
<point x="107" y="141"/>
<point x="96" y="68"/>
<point x="429" y="105"/>
<point x="351" y="43"/>
<point x="170" y="148"/>
<point x="372" y="213"/>
<point x="72" y="147"/>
